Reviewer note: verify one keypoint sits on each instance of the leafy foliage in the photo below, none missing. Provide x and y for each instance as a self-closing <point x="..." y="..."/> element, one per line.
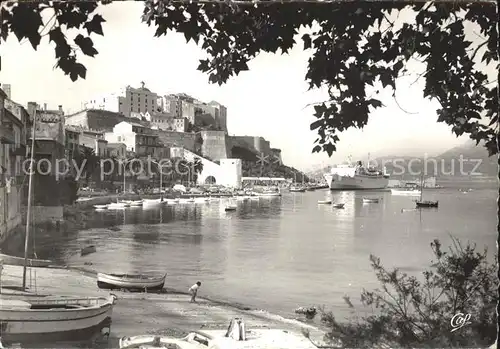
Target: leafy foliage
<point x="353" y="46"/>
<point x="416" y="312"/>
<point x="88" y="161"/>
<point x="25" y="20"/>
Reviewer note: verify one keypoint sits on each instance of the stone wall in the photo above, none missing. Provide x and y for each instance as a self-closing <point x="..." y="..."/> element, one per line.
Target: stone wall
<point x="96" y="119"/>
<point x="178" y="139"/>
<point x="216" y="144"/>
<point x="10" y="210"/>
<point x="43" y="214"/>
<point x="246" y="142"/>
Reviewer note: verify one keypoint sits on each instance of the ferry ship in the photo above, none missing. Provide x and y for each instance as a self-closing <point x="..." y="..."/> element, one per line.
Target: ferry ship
<point x="356" y="177"/>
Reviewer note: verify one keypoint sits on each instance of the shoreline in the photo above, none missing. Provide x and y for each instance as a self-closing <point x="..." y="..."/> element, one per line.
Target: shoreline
<point x="168" y="313"/>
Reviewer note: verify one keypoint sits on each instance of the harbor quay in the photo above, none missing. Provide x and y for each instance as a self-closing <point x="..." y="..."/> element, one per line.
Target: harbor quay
<point x="167" y="313"/>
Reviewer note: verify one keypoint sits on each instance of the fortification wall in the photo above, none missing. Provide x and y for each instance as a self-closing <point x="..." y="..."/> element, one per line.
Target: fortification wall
<point x="177" y="139"/>
<point x="216" y="144"/>
<point x="101" y="120"/>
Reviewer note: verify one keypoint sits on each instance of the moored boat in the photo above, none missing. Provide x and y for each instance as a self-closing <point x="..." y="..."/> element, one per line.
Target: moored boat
<point x="100" y="207"/>
<point x="339" y="205"/>
<point x="325" y="202"/>
<point x="87" y="250"/>
<point x="35" y="320"/>
<point x="371" y="200"/>
<point x="130" y="281"/>
<point x="136" y="203"/>
<point x="356" y="177"/>
<point x="427" y="204"/>
<point x="230" y="208"/>
<point x="297" y="189"/>
<point x="405" y="192"/>
<point x="151" y="202"/>
<point x="117" y="205"/>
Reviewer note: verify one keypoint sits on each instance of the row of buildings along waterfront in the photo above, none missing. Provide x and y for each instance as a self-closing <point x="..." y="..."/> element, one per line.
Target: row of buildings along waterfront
<point x="133" y="123"/>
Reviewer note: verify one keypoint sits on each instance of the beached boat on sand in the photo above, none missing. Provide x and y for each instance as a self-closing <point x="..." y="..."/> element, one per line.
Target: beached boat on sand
<point x="13" y="260"/>
<point x="235" y="337"/>
<point x="54" y="318"/>
<point x="130" y="281"/>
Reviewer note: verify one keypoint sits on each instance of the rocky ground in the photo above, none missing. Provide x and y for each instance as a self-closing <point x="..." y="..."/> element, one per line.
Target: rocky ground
<point x="169" y="313"/>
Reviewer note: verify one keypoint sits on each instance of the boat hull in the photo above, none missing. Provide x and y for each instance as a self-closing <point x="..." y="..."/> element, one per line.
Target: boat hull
<point x="13" y="260"/>
<point x="405" y="192"/>
<point x="54" y="325"/>
<point x="356" y="182"/>
<point x="111" y="282"/>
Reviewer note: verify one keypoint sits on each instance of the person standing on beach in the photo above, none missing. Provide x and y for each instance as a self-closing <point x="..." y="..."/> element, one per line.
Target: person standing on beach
<point x="193" y="291"/>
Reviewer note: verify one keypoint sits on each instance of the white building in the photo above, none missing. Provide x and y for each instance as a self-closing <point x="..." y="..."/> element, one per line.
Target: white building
<point x="127" y="101"/>
<point x="141" y="140"/>
<point x="228" y="173"/>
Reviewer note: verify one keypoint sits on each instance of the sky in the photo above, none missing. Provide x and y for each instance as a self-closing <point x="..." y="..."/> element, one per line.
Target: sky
<point x="270" y="100"/>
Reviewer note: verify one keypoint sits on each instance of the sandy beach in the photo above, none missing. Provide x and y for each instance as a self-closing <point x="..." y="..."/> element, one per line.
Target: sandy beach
<point x="168" y="313"/>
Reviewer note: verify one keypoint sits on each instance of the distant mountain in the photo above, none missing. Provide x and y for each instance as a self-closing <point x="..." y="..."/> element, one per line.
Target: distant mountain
<point x="465" y="160"/>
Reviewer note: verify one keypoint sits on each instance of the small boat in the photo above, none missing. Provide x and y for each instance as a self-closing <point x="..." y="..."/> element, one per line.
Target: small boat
<point x="371" y="200"/>
<point x="130" y="281"/>
<point x="427" y="204"/>
<point x="49" y="319"/>
<point x="87" y="250"/>
<point x="186" y="201"/>
<point x="338" y="205"/>
<point x="230" y="208"/>
<point x="136" y="203"/>
<point x="117" y="205"/>
<point x="235" y="337"/>
<point x="100" y="207"/>
<point x="405" y="192"/>
<point x="295" y="189"/>
<point x="267" y="193"/>
<point x="19" y="261"/>
<point x="151" y="202"/>
<point x="324" y="202"/>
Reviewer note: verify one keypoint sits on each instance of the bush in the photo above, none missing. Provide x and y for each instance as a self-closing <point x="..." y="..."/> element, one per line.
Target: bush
<point x="408" y="312"/>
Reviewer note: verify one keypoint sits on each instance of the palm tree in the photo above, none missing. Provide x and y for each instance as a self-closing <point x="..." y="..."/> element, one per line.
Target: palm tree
<point x="88" y="161"/>
<point x="197" y="167"/>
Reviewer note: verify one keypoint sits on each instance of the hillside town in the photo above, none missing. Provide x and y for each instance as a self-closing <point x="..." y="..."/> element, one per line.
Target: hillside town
<point x="112" y="130"/>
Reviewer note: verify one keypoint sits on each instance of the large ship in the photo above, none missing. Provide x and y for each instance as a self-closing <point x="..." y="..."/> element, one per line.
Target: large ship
<point x="356" y="177"/>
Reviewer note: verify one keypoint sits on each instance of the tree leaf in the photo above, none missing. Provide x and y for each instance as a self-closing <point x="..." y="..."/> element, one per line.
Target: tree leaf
<point x="86" y="45"/>
<point x="95" y="25"/>
<point x="307" y="41"/>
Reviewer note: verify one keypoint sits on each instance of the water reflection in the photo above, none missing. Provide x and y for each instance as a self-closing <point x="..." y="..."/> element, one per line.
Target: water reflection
<point x="278" y="253"/>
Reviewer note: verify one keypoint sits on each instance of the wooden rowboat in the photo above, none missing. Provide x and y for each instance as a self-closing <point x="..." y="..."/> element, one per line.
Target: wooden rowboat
<point x="50" y="319"/>
<point x="130" y="281"/>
